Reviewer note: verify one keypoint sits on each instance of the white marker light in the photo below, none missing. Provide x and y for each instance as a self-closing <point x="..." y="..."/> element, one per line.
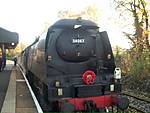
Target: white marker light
<point x="60" y="91"/>
<point x="117" y="73"/>
<point x="77" y="26"/>
<point x="12" y="44"/>
<point x="112" y="87"/>
<point x="57" y="84"/>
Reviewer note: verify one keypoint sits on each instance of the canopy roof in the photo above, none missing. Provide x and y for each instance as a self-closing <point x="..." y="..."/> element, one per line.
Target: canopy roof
<point x="9" y="39"/>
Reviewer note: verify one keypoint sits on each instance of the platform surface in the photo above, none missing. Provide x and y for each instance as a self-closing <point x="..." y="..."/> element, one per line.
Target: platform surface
<point x="4" y="81"/>
<point x="18" y="98"/>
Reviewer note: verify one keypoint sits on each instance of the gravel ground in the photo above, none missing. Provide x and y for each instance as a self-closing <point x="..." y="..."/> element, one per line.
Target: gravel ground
<point x="139" y="87"/>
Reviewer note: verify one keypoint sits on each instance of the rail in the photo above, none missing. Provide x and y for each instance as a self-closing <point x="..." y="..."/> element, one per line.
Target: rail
<point x="138" y="103"/>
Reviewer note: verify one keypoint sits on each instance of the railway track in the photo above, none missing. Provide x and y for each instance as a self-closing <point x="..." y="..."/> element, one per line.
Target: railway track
<point x="138" y="103"/>
<point x="38" y="107"/>
<point x="135" y="109"/>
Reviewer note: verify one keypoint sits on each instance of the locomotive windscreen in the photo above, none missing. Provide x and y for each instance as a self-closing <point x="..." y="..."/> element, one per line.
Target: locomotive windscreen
<point x="76" y="45"/>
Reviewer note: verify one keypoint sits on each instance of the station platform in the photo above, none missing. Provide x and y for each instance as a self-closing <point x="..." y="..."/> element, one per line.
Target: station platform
<point x="18" y="98"/>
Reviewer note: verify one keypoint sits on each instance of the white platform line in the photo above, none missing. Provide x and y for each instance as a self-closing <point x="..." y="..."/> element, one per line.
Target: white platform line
<point x="20" y="80"/>
<point x="39" y="109"/>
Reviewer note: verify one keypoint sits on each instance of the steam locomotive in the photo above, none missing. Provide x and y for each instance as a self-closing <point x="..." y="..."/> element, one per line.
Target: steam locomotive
<point x="72" y="67"/>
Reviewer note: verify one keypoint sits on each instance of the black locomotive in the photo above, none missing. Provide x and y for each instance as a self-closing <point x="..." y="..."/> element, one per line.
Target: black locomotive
<point x="72" y="67"/>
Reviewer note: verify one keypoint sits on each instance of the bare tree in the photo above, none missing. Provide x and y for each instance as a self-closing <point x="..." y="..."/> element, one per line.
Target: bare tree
<point x="141" y="23"/>
<point x="91" y="12"/>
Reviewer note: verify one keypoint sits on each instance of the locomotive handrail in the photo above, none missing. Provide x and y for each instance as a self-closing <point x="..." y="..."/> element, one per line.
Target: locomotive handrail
<point x="36" y="40"/>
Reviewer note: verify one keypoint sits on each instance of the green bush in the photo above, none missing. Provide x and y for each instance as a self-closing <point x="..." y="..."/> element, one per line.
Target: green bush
<point x="141" y="65"/>
<point x="134" y="63"/>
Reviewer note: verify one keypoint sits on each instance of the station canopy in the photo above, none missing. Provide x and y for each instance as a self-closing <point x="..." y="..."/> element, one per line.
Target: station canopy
<point x="8" y="39"/>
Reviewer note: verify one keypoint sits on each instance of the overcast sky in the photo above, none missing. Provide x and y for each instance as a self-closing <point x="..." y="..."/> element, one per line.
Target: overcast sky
<point x="28" y="17"/>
